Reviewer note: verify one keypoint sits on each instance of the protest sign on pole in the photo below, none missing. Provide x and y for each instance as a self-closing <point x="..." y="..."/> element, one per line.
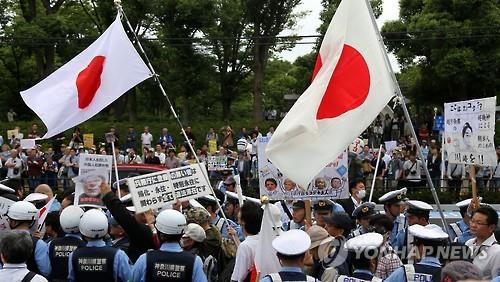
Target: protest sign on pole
<point x="28" y="143"/>
<point x="13" y="133"/>
<point x="88" y="140"/>
<point x="4" y="208"/>
<point x="217" y="163"/>
<point x="93" y="170"/>
<point x="212" y="146"/>
<point x="331" y="183"/>
<point x="390" y="145"/>
<point x="469" y="132"/>
<point x="155" y="190"/>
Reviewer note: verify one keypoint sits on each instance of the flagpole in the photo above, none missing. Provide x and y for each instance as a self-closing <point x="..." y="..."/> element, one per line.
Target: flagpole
<point x="116" y="169"/>
<point x="402" y="101"/>
<point x="157" y="79"/>
<point x="375" y="173"/>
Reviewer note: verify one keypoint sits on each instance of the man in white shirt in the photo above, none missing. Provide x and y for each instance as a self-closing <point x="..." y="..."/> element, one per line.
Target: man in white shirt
<point x="485" y="248"/>
<point x="250" y="219"/>
<point x="146" y="138"/>
<point x="160" y="154"/>
<point x="14" y="165"/>
<point x="17" y="247"/>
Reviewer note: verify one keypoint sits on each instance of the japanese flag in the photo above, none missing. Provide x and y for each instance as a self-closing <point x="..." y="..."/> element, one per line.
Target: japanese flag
<point x="88" y="83"/>
<point x="352" y="84"/>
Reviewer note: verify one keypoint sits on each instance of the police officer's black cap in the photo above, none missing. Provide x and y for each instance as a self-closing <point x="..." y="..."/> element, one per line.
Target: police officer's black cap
<point x="365" y="210"/>
<point x="298" y="205"/>
<point x="323" y="205"/>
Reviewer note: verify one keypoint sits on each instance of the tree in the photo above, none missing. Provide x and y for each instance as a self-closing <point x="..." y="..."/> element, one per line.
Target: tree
<point x="225" y="35"/>
<point x="268" y="18"/>
<point x="449" y="50"/>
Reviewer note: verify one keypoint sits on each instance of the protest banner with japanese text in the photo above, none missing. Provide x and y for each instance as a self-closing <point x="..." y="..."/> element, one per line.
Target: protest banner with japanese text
<point x="470" y="131"/>
<point x="331" y="183"/>
<point x="93" y="171"/>
<point x="155" y="190"/>
<point x="217" y="163"/>
<point x="4" y="208"/>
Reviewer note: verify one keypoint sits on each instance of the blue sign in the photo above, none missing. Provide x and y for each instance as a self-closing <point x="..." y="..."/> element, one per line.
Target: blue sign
<point x="438" y="123"/>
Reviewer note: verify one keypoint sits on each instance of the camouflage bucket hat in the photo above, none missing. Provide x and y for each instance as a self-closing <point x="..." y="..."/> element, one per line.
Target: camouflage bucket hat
<point x="198" y="215"/>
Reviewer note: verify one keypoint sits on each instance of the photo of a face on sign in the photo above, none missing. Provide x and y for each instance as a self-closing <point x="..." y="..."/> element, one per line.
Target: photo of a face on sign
<point x="467" y="137"/>
<point x="88" y="188"/>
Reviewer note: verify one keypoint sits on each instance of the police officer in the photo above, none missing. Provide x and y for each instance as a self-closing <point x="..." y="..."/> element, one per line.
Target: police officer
<point x="298" y="217"/>
<point x="392" y="207"/>
<point x="22" y="215"/>
<point x="427" y="240"/>
<point x="290" y="247"/>
<point x="323" y="209"/>
<point x="364" y="250"/>
<point x="60" y="248"/>
<point x="417" y="213"/>
<point x="362" y="214"/>
<point x="209" y="202"/>
<point x="96" y="261"/>
<point x="170" y="262"/>
<point x="460" y="231"/>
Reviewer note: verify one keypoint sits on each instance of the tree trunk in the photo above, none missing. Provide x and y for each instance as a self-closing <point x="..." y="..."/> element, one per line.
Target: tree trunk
<point x="132" y="106"/>
<point x="259" y="67"/>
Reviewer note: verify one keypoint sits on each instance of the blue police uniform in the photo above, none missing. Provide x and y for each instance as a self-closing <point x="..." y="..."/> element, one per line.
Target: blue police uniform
<point x="428" y="269"/>
<point x="220" y="223"/>
<point x="139" y="271"/>
<point x="394" y="232"/>
<point x="496" y="279"/>
<point x="39" y="262"/>
<point x="289" y="273"/>
<point x="59" y="251"/>
<point x="121" y="263"/>
<point x="337" y="208"/>
<point x="464" y="232"/>
<point x="357" y="274"/>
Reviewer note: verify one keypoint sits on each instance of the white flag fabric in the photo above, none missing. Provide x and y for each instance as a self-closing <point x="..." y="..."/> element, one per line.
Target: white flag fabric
<point x="352" y="84"/>
<point x="42" y="215"/>
<point x="266" y="261"/>
<point x="88" y="83"/>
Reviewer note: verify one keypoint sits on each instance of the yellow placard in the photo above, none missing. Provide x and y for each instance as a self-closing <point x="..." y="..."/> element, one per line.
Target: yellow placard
<point x="88" y="140"/>
<point x="212" y="146"/>
<point x="13" y="132"/>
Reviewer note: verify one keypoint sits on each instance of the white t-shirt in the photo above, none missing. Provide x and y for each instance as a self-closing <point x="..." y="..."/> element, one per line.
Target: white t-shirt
<point x="413" y="167"/>
<point x="16" y="272"/>
<point x="146" y="138"/>
<point x="245" y="256"/>
<point x="19" y="164"/>
<point x="489" y="260"/>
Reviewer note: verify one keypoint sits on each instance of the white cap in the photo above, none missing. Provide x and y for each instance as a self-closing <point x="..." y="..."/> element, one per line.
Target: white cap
<point x="428" y="232"/>
<point x="22" y="211"/>
<point x="70" y="219"/>
<point x="195" y="232"/>
<point x="94" y="224"/>
<point x="365" y="241"/>
<point x="466" y="203"/>
<point x="170" y="222"/>
<point x="195" y="203"/>
<point x="419" y="205"/>
<point x="393" y="196"/>
<point x="33" y="197"/>
<point x="293" y="242"/>
<point x="6" y="189"/>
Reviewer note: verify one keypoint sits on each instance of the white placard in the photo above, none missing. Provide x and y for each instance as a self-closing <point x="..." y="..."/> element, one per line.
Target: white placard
<point x="217" y="163"/>
<point x="93" y="170"/>
<point x="331" y="183"/>
<point x="158" y="189"/>
<point x="390" y="145"/>
<point x="4" y="208"/>
<point x="469" y="131"/>
<point x="28" y="143"/>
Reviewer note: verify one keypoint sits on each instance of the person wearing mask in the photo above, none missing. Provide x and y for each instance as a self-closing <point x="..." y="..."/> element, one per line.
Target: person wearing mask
<point x="60" y="248"/>
<point x="358" y="192"/>
<point x="96" y="261"/>
<point x="16" y="248"/>
<point x="428" y="240"/>
<point x="392" y="202"/>
<point x="250" y="219"/>
<point x="170" y="262"/>
<point x="22" y="216"/>
<point x="363" y="250"/>
<point x="485" y="247"/>
<point x="291" y="248"/>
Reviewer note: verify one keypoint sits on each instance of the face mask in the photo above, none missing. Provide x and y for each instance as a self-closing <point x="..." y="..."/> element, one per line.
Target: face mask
<point x="361" y="194"/>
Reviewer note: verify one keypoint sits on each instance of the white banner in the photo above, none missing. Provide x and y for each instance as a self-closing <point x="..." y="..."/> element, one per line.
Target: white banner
<point x="155" y="190"/>
<point x="4" y="208"/>
<point x="217" y="163"/>
<point x="469" y="131"/>
<point x="93" y="170"/>
<point x="28" y="143"/>
<point x="331" y="183"/>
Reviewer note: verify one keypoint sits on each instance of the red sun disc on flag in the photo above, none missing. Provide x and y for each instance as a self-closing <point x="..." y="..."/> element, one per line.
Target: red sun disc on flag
<point x="89" y="81"/>
<point x="348" y="87"/>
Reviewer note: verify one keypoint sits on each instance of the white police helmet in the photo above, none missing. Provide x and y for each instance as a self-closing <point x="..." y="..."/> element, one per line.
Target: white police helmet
<point x="170" y="222"/>
<point x="94" y="224"/>
<point x="70" y="219"/>
<point x="22" y="211"/>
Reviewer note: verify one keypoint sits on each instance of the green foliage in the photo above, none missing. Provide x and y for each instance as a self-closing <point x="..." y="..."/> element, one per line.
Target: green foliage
<point x="453" y="46"/>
